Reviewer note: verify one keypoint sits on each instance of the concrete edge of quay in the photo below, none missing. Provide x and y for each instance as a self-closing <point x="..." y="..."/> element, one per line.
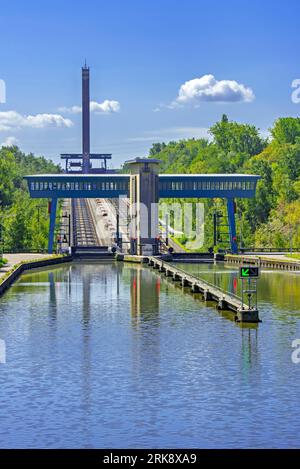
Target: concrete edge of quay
<point x="263" y="261"/>
<point x="18" y="269"/>
<point x="132" y="258"/>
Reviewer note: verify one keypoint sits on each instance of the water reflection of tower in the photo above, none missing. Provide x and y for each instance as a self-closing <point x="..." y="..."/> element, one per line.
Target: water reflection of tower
<point x="144" y="291"/>
<point x="86" y="359"/>
<point x="86" y="297"/>
<point x="146" y="337"/>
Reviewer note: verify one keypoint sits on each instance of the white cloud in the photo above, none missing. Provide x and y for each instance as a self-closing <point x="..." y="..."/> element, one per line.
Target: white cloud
<point x="172" y="133"/>
<point x="207" y="88"/>
<point x="9" y="142"/>
<point x="71" y="110"/>
<point x="107" y="107"/>
<point x="12" y="119"/>
<point x="2" y="91"/>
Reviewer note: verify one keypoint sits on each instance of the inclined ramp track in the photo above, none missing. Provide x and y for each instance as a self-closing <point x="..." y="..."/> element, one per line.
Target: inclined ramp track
<point x="86" y="242"/>
<point x="84" y="231"/>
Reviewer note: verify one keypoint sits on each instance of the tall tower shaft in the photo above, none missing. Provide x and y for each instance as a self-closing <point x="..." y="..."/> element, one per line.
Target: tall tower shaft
<point x="85" y="119"/>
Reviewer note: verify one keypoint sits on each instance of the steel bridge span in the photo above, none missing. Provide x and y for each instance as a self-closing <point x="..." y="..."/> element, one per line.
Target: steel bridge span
<point x="171" y="186"/>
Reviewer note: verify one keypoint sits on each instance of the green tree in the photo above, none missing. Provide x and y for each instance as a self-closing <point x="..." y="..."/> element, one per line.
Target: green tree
<point x="286" y="130"/>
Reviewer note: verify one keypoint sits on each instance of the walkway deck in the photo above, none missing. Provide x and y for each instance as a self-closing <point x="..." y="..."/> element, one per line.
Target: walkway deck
<point x="225" y="300"/>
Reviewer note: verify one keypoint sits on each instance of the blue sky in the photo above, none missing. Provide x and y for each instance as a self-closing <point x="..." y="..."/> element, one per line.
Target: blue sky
<point x="140" y="54"/>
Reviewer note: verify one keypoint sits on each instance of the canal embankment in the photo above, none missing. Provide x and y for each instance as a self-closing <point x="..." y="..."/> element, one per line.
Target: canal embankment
<point x="18" y="263"/>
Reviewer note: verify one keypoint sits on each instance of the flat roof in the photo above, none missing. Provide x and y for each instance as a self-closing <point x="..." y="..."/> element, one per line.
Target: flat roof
<point x="93" y="156"/>
<point x="143" y="160"/>
<point x="210" y="175"/>
<point x="81" y="175"/>
<point x="104" y="175"/>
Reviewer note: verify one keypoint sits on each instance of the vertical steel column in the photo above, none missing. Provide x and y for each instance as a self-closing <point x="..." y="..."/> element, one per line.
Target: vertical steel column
<point x="232" y="228"/>
<point x="85" y="119"/>
<point x="52" y="224"/>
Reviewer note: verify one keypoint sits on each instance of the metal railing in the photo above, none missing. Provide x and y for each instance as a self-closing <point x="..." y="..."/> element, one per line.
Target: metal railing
<point x="221" y="290"/>
<point x="272" y="250"/>
<point x="26" y="251"/>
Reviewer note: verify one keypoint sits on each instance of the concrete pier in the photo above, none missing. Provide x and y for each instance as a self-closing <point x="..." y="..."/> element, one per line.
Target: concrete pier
<point x="224" y="300"/>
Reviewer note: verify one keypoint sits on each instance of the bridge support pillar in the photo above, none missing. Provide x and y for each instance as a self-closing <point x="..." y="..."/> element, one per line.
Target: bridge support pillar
<point x="195" y="288"/>
<point x="221" y="304"/>
<point x="247" y="315"/>
<point x="207" y="295"/>
<point x="53" y="205"/>
<point x="232" y="227"/>
<point x="144" y="197"/>
<point x="184" y="282"/>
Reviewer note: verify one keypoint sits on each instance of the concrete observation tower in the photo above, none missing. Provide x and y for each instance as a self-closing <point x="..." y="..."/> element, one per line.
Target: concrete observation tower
<point x="81" y="163"/>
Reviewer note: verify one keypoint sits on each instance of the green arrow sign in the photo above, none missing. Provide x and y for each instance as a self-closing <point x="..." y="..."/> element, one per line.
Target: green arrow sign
<point x="249" y="272"/>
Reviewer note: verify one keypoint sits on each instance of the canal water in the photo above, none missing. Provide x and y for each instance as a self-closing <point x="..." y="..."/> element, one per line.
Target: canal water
<point x="114" y="355"/>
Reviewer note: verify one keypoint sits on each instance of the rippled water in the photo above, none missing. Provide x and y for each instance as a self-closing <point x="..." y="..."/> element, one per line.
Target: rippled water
<point x="112" y="355"/>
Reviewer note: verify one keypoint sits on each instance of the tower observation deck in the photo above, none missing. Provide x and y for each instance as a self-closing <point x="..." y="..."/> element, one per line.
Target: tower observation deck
<point x="81" y="163"/>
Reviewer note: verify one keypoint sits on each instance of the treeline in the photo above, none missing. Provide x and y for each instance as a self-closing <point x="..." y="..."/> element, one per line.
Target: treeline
<point x="272" y="219"/>
<point x="23" y="221"/>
